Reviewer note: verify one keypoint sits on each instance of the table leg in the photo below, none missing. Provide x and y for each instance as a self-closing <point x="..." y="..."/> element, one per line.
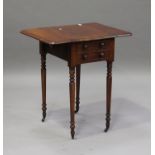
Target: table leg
<point x="72" y="99"/>
<point x="108" y="94"/>
<point x="78" y="74"/>
<point x="43" y="81"/>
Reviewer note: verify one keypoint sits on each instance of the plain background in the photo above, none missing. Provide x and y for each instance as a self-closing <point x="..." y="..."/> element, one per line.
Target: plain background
<point x="130" y="130"/>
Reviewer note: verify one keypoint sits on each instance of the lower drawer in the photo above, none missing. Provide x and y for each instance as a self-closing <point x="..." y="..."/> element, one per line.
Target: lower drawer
<point x="85" y="52"/>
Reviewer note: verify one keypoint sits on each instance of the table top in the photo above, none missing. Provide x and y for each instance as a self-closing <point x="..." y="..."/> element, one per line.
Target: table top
<point x="74" y="33"/>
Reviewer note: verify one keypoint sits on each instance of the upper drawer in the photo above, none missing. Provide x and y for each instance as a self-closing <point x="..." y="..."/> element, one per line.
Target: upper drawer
<point x="84" y="52"/>
<point x="94" y="46"/>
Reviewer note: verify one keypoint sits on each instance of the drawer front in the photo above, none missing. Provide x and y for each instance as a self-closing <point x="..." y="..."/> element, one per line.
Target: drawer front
<point x="93" y="51"/>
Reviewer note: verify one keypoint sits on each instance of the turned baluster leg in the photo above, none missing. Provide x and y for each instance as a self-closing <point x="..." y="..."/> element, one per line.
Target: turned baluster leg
<point x="72" y="99"/>
<point x="108" y="94"/>
<point x="78" y="73"/>
<point x="43" y="81"/>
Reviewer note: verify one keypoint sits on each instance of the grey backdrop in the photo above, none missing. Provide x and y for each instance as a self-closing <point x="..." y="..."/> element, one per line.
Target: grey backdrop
<point x="131" y="80"/>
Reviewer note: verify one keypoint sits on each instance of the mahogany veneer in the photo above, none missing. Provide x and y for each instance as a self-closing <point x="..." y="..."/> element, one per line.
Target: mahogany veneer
<point x="77" y="44"/>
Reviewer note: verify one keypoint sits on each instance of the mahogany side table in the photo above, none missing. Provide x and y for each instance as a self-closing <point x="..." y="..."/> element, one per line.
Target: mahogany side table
<point x="77" y="44"/>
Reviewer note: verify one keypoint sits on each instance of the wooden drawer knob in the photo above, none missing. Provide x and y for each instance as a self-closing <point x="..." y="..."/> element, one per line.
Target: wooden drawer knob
<point x="85" y="46"/>
<point x="101" y="54"/>
<point x="84" y="56"/>
<point x="102" y="44"/>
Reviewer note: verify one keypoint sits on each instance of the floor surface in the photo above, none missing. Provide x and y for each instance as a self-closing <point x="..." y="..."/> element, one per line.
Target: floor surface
<point x="25" y="134"/>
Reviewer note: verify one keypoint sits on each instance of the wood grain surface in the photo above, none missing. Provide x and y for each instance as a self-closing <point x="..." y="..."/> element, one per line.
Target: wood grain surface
<point x="74" y="33"/>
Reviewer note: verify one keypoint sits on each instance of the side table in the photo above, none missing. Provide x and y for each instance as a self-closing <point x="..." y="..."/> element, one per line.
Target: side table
<point x="77" y="44"/>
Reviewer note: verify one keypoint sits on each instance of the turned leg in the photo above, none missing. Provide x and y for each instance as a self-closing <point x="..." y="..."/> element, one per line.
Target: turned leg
<point x="78" y="72"/>
<point x="108" y="94"/>
<point x="72" y="99"/>
<point x="43" y="81"/>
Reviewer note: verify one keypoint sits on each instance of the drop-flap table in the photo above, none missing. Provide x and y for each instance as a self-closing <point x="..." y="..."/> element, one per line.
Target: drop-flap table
<point x="77" y="44"/>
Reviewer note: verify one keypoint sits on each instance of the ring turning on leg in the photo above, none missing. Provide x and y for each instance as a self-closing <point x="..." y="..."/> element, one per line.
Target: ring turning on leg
<point x="72" y="99"/>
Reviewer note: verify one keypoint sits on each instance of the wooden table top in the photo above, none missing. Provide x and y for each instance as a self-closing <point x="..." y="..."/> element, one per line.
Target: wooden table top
<point x="74" y="33"/>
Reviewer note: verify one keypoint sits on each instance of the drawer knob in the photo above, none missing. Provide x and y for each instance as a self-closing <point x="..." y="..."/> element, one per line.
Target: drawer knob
<point x="85" y="46"/>
<point x="102" y="44"/>
<point x="85" y="56"/>
<point x="102" y="54"/>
